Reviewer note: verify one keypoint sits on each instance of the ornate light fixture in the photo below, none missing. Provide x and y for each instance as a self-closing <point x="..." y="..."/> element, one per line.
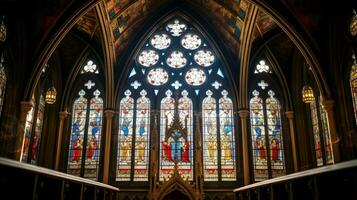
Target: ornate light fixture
<point x="307" y="94"/>
<point x="51" y="94"/>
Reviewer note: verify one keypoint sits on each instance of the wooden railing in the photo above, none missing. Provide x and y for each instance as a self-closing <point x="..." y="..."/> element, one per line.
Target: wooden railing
<point x="338" y="181"/>
<point x="24" y="181"/>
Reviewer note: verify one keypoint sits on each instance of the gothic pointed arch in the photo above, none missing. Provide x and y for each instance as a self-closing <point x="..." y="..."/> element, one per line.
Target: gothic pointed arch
<point x="176" y="62"/>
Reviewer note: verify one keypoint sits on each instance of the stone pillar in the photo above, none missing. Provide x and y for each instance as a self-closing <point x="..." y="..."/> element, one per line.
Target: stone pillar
<point x="335" y="139"/>
<point x="25" y="108"/>
<point x="62" y="116"/>
<point x="243" y="114"/>
<point x="290" y="116"/>
<point x="108" y="134"/>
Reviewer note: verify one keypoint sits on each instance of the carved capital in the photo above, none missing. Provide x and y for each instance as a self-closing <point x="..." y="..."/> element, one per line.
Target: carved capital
<point x="289" y="114"/>
<point x="63" y="115"/>
<point x="109" y="113"/>
<point x="243" y="113"/>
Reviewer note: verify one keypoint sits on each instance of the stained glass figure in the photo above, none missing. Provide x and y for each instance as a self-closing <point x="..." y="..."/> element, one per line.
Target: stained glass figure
<point x="228" y="170"/>
<point x="195" y="76"/>
<point x="157" y="76"/>
<point x="148" y="58"/>
<point x="125" y="137"/>
<point x="262" y="67"/>
<point x="204" y="58"/>
<point x="90" y="67"/>
<point x="167" y="114"/>
<point x="142" y="138"/>
<point x="35" y="147"/>
<point x="210" y="141"/>
<point x="160" y="41"/>
<point x="316" y="133"/>
<point x="79" y="120"/>
<point x="28" y="132"/>
<point x="186" y="119"/>
<point x="94" y="134"/>
<point x="258" y="137"/>
<point x="176" y="28"/>
<point x="176" y="60"/>
<point x="326" y="134"/>
<point x="2" y="82"/>
<point x="277" y="158"/>
<point x="353" y="84"/>
<point x="191" y="41"/>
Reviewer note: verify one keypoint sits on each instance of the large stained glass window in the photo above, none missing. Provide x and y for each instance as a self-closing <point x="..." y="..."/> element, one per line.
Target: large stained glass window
<point x="86" y="131"/>
<point x="28" y="132"/>
<point x="326" y="134"/>
<point x="316" y="134"/>
<point x="179" y="70"/>
<point x="267" y="140"/>
<point x="36" y="141"/>
<point x="2" y="82"/>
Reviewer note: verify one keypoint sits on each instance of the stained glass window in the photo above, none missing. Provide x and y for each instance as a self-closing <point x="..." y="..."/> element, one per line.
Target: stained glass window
<point x="142" y="138"/>
<point x="160" y="41"/>
<point x="36" y="140"/>
<point x="175" y="62"/>
<point x="353" y="85"/>
<point x="262" y="67"/>
<point x="267" y="139"/>
<point x="210" y="141"/>
<point x="2" y="82"/>
<point x="148" y="58"/>
<point x="126" y="117"/>
<point x="191" y="41"/>
<point x="86" y="131"/>
<point x="176" y="28"/>
<point x="28" y="132"/>
<point x="90" y="67"/>
<point x="176" y="59"/>
<point x="326" y="133"/>
<point x="158" y="76"/>
<point x="227" y="137"/>
<point x="316" y="133"/>
<point x="204" y="58"/>
<point x="195" y="77"/>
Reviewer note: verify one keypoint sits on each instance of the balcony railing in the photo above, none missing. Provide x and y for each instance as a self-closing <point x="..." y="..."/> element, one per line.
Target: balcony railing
<point x="338" y="181"/>
<point x="24" y="181"/>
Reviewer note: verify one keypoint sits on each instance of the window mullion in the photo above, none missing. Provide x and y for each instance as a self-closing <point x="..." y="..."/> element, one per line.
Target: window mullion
<point x="267" y="141"/>
<point x="85" y="138"/>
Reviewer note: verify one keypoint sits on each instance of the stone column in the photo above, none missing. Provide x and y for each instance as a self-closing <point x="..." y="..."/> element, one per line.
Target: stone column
<point x="290" y="116"/>
<point x="335" y="139"/>
<point x="25" y="108"/>
<point x="62" y="116"/>
<point x="243" y="117"/>
<point x="108" y="134"/>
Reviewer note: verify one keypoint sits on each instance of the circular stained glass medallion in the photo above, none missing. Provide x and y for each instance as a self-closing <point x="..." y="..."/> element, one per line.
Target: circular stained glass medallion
<point x="191" y="41"/>
<point x="204" y="58"/>
<point x="195" y="77"/>
<point x="176" y="59"/>
<point x="148" y="58"/>
<point x="160" y="41"/>
<point x="157" y="76"/>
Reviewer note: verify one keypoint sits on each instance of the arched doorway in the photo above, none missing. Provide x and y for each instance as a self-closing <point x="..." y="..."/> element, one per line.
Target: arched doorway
<point x="176" y="195"/>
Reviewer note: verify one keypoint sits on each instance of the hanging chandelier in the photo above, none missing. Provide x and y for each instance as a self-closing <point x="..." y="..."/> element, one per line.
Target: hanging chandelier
<point x="50" y="97"/>
<point x="307" y="94"/>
